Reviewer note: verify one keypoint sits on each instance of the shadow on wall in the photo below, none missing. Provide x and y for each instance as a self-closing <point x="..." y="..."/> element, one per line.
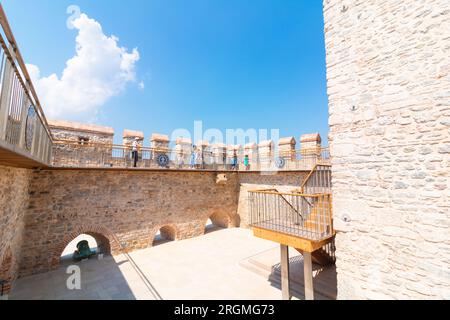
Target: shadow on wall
<point x="325" y="279"/>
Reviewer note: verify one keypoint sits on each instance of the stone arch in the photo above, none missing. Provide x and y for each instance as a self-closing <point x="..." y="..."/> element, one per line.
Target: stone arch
<point x="107" y="243"/>
<point x="219" y="219"/>
<point x="168" y="232"/>
<point x="6" y="270"/>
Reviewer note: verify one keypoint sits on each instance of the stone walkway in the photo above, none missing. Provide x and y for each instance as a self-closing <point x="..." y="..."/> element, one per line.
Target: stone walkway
<point x="214" y="266"/>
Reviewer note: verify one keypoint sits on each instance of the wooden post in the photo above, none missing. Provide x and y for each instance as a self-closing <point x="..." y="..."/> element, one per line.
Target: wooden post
<point x="307" y="267"/>
<point x="285" y="287"/>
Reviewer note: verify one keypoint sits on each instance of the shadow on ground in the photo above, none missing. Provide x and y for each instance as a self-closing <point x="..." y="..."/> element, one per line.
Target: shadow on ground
<point x="213" y="228"/>
<point x="100" y="280"/>
<point x="325" y="279"/>
<point x="266" y="264"/>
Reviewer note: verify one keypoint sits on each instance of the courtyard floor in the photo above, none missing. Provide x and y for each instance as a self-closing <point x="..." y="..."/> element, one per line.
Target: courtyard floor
<point x="225" y="264"/>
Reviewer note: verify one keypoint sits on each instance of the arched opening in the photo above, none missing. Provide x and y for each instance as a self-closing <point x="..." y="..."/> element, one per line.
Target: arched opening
<point x="106" y="242"/>
<point x="164" y="235"/>
<point x="217" y="221"/>
<point x="96" y="244"/>
<point x="6" y="275"/>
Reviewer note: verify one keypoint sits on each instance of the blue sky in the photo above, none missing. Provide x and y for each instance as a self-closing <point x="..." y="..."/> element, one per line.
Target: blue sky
<point x="229" y="63"/>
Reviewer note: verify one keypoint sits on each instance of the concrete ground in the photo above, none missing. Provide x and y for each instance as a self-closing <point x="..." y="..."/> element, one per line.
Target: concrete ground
<point x="225" y="264"/>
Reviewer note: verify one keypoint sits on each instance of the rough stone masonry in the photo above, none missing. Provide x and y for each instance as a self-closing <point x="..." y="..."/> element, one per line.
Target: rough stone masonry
<point x="42" y="211"/>
<point x="388" y="70"/>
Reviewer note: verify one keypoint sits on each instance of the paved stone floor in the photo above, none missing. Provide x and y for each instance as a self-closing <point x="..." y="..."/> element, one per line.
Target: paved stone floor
<point x="225" y="264"/>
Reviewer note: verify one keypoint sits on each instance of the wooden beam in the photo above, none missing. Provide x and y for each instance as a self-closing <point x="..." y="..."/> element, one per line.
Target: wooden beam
<point x="15" y="157"/>
<point x="285" y="285"/>
<point x="307" y="268"/>
<point x="305" y="245"/>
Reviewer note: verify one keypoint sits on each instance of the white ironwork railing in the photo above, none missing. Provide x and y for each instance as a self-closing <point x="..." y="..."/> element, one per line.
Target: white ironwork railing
<point x="23" y="126"/>
<point x="75" y="154"/>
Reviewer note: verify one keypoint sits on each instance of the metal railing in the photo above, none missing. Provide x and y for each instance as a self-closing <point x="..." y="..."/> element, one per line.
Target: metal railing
<point x="23" y="127"/>
<point x="318" y="181"/>
<point x="74" y="154"/>
<point x="300" y="215"/>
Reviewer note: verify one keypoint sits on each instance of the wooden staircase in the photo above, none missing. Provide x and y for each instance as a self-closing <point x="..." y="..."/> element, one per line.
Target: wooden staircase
<point x="316" y="220"/>
<point x="301" y="219"/>
<point x="319" y="178"/>
<point x="323" y="256"/>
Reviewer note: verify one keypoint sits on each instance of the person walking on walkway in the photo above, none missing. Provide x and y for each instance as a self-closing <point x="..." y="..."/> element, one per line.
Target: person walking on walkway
<point x="193" y="157"/>
<point x="247" y="162"/>
<point x="180" y="160"/>
<point x="234" y="161"/>
<point x="134" y="151"/>
<point x="199" y="159"/>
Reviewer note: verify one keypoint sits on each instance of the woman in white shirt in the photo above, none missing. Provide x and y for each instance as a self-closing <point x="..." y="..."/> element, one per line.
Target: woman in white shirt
<point x="134" y="151"/>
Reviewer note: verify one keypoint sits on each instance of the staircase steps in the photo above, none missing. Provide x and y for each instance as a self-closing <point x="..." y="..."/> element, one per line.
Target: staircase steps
<point x="321" y="257"/>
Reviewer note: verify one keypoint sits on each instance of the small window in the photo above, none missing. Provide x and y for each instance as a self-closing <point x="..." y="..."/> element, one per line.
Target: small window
<point x="83" y="141"/>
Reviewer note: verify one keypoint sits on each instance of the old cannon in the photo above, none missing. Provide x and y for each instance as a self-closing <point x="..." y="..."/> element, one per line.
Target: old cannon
<point x="83" y="251"/>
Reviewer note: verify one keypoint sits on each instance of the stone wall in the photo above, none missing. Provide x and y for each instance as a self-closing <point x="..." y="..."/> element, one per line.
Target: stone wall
<point x="13" y="203"/>
<point x="79" y="145"/>
<point x="388" y="70"/>
<point x="130" y="205"/>
<point x="124" y="209"/>
<point x="80" y="132"/>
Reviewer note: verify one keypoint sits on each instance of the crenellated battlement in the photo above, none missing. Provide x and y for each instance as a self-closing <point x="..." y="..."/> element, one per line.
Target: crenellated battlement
<point x="80" y="146"/>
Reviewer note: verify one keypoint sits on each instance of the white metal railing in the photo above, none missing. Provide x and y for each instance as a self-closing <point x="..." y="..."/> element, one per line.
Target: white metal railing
<point x="23" y="127"/>
<point x="74" y="154"/>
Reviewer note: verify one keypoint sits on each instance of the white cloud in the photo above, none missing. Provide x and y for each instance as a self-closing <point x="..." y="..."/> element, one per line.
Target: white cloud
<point x="99" y="70"/>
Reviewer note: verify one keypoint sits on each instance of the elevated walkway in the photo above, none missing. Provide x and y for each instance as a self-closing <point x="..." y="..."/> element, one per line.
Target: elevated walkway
<point x="16" y="157"/>
<point x="301" y="219"/>
<point x="25" y="138"/>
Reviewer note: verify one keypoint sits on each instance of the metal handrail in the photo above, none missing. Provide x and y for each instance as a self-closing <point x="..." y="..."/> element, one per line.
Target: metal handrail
<point x="287" y="202"/>
<point x="94" y="153"/>
<point x="324" y="179"/>
<point x="28" y="84"/>
<point x="103" y="144"/>
<point x="267" y="212"/>
<point x="290" y="193"/>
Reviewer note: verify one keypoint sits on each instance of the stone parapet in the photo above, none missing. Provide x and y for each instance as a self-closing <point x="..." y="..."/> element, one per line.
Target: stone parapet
<point x="205" y="151"/>
<point x="286" y="148"/>
<point x="183" y="151"/>
<point x="266" y="154"/>
<point x="80" y="132"/>
<point x="160" y="143"/>
<point x="131" y="135"/>
<point x="251" y="150"/>
<point x="219" y="151"/>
